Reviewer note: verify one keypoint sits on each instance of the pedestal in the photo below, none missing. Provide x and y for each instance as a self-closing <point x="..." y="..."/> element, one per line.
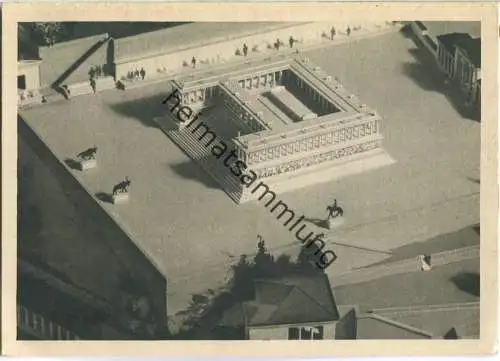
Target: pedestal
<point x="120" y="198"/>
<point x="87" y="164"/>
<point x="334" y="223"/>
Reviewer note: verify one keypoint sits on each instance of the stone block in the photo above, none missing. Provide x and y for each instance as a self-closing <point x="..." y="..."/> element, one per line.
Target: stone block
<point x="334" y="223"/>
<point x="121" y="198"/>
<point x="88" y="164"/>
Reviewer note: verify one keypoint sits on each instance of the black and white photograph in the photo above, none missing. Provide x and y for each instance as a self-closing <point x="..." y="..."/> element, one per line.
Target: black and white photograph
<point x="250" y="180"/>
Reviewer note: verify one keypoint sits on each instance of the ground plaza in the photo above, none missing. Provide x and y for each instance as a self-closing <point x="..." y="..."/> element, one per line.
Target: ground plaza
<point x="175" y="206"/>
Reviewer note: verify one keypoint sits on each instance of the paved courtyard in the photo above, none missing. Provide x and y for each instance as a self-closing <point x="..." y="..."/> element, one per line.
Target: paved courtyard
<point x="193" y="231"/>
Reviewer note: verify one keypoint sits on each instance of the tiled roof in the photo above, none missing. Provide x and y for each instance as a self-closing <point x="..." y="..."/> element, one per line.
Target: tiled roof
<point x="289" y="300"/>
<point x="438" y="319"/>
<point x="373" y="326"/>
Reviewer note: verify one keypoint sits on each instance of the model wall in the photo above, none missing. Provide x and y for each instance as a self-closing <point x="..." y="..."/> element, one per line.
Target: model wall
<point x="223" y="50"/>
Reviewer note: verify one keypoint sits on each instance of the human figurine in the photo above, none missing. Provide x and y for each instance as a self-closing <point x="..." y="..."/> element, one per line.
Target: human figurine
<point x="291" y="41"/>
<point x="245" y="49"/>
<point x="93" y="84"/>
<point x="277" y="44"/>
<point x="136" y="74"/>
<point x="333" y="32"/>
<point x="143" y="73"/>
<point x="193" y="62"/>
<point x="348" y="31"/>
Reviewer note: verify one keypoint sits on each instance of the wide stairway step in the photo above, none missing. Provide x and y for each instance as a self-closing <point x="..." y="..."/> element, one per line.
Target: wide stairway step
<point x="203" y="156"/>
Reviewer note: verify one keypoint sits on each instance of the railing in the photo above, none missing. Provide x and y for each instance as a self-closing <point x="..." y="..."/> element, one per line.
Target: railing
<point x="42" y="328"/>
<point x="428" y="308"/>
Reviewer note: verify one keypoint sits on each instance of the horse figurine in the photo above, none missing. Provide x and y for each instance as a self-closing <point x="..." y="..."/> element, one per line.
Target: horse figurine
<point x="334" y="211"/>
<point x="88" y="153"/>
<point x="121" y="187"/>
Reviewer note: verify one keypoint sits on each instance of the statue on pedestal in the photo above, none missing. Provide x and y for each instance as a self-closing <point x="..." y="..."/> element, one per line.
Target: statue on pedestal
<point x="88" y="158"/>
<point x="334" y="211"/>
<point x="120" y="191"/>
<point x="121" y="187"/>
<point x="88" y="154"/>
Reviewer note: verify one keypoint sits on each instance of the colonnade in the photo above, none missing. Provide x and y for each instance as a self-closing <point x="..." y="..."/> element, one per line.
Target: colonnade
<point x="459" y="66"/>
<point x="268" y="80"/>
<point x="324" y="106"/>
<point x="246" y="117"/>
<point x="446" y="60"/>
<point x="467" y="74"/>
<point x="190" y="97"/>
<point x="312" y="142"/>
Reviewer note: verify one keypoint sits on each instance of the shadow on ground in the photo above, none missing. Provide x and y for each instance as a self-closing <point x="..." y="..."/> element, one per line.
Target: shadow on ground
<point x="474" y="180"/>
<point x="71" y="163"/>
<point x="465" y="237"/>
<point x="143" y="109"/>
<point x="317" y="222"/>
<point x="467" y="282"/>
<point x="104" y="197"/>
<point x="425" y="73"/>
<point x="192" y="171"/>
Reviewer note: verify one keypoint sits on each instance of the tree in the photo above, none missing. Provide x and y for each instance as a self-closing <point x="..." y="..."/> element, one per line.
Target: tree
<point x="48" y="33"/>
<point x="206" y="310"/>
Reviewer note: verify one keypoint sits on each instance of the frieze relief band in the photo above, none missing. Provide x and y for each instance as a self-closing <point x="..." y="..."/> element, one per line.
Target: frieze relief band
<point x="320" y="158"/>
<point x="315" y="142"/>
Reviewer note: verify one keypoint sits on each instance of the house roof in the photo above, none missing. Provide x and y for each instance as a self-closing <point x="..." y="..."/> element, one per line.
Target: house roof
<point x="288" y="300"/>
<point x="439" y="320"/>
<point x="470" y="46"/>
<point x="373" y="326"/>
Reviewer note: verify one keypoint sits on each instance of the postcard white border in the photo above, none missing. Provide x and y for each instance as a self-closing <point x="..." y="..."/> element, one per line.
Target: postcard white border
<point x="486" y="13"/>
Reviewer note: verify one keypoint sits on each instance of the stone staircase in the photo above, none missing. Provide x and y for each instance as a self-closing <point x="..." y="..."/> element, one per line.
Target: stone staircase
<point x="202" y="155"/>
